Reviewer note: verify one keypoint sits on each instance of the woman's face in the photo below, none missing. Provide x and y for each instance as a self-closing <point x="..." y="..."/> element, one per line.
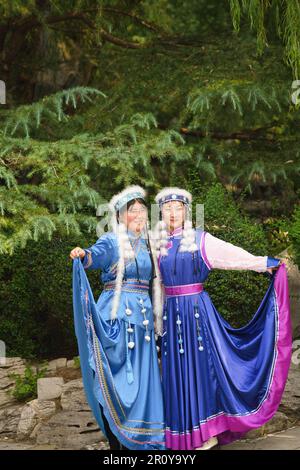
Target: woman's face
<point x="173" y="213"/>
<point x="135" y="217"/>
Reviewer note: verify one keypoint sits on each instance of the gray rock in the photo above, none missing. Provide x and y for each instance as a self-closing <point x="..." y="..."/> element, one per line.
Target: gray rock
<point x="73" y="397"/>
<point x="6" y="383"/>
<point x="294" y="291"/>
<point x="67" y="429"/>
<point x="71" y="364"/>
<point x="290" y="402"/>
<point x="55" y="364"/>
<point x="13" y="362"/>
<point x="32" y="414"/>
<point x="6" y="399"/>
<point x="51" y="366"/>
<point x="97" y="446"/>
<point x="61" y="362"/>
<point x="27" y="421"/>
<point x="7" y="372"/>
<point x="18" y="370"/>
<point x="9" y="420"/>
<point x="49" y="388"/>
<point x="279" y="422"/>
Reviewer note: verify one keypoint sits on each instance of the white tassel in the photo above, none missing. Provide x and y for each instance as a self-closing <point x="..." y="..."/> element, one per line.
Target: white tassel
<point x="125" y="253"/>
<point x="161" y="238"/>
<point x="157" y="296"/>
<point x="188" y="241"/>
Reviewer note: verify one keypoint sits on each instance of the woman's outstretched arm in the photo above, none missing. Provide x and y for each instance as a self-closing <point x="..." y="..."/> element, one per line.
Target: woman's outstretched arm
<point x="97" y="256"/>
<point x="224" y="255"/>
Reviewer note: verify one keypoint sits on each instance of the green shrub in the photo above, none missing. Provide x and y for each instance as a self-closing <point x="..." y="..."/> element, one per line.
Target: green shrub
<point x="26" y="386"/>
<point x="77" y="361"/>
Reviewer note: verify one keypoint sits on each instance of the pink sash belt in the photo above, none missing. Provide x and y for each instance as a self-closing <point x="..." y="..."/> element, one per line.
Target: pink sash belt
<point x="186" y="289"/>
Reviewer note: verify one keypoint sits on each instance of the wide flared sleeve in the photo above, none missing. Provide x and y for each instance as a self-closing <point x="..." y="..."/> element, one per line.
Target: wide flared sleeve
<point x="220" y="254"/>
<point x="99" y="255"/>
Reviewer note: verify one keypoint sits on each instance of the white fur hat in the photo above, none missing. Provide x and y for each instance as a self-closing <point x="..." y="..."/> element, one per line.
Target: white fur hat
<point x="173" y="194"/>
<point x="129" y="193"/>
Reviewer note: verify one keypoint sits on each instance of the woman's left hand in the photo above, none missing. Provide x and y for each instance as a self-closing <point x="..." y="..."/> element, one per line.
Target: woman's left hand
<point x="274" y="268"/>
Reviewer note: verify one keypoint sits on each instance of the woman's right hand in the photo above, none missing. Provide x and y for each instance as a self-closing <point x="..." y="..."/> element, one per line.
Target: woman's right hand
<point x="77" y="253"/>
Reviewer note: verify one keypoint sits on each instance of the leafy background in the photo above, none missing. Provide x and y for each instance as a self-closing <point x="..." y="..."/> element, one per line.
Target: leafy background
<point x="104" y="94"/>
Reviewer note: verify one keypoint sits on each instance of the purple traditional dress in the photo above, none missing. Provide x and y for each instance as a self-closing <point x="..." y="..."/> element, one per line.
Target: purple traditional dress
<point x="219" y="380"/>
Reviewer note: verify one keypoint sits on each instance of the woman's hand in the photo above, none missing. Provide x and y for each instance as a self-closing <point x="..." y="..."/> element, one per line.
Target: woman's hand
<point x="77" y="253"/>
<point x="274" y="268"/>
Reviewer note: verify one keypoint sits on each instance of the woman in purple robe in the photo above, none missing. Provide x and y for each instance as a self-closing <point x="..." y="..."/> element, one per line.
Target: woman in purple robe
<point x="219" y="382"/>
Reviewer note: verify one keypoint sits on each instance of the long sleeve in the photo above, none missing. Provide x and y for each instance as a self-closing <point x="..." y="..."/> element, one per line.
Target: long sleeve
<point x="223" y="255"/>
<point x="99" y="255"/>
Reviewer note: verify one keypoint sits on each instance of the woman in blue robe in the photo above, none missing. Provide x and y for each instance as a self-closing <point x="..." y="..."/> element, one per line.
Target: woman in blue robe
<point x="116" y="337"/>
<point x="219" y="382"/>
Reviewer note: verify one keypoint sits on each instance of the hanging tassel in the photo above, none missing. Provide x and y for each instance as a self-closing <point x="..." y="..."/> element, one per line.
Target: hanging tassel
<point x="129" y="370"/>
<point x="195" y="267"/>
<point x="161" y="237"/>
<point x="174" y="271"/>
<point x="187" y="242"/>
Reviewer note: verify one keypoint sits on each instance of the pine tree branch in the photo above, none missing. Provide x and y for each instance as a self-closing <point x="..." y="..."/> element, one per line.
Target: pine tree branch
<point x="137" y="19"/>
<point x="241" y="135"/>
<point x="22" y="27"/>
<point x="247" y="134"/>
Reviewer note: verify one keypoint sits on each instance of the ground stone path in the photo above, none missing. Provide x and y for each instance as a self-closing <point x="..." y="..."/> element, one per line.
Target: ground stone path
<point x="284" y="440"/>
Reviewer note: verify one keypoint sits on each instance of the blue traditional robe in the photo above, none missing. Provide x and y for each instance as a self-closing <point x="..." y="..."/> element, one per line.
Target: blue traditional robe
<point x="219" y="380"/>
<point x="125" y="382"/>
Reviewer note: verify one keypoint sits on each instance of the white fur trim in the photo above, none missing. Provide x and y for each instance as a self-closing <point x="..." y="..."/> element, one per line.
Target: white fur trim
<point x="128" y="190"/>
<point x="173" y="190"/>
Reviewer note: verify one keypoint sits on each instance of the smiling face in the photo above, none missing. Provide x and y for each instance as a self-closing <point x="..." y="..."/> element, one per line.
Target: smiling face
<point x="134" y="216"/>
<point x="173" y="214"/>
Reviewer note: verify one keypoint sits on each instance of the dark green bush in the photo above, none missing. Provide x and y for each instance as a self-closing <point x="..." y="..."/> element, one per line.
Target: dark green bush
<point x="36" y="316"/>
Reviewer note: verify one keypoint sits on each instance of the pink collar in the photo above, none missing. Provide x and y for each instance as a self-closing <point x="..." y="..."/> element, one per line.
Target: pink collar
<point x="177" y="231"/>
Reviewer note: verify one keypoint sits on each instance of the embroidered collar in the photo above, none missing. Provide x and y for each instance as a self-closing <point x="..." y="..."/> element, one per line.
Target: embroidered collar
<point x="176" y="232"/>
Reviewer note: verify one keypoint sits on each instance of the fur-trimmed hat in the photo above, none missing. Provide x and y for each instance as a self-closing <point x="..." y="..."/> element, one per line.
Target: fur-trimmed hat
<point x="173" y="194"/>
